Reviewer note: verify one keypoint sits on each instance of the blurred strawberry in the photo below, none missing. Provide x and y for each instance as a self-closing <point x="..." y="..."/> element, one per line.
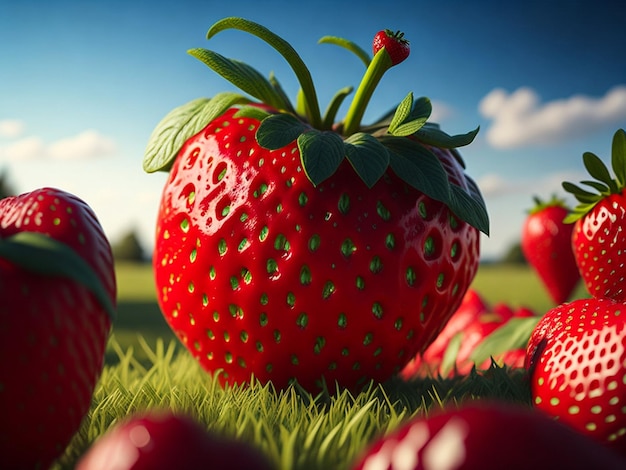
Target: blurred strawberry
<point x="487" y="436"/>
<point x="453" y="351"/>
<point x="546" y="244"/>
<point x="58" y="291"/>
<point x="162" y="440"/>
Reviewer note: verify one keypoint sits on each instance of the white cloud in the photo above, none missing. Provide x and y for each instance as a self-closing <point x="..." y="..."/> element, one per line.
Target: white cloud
<point x="87" y="144"/>
<point x="23" y="149"/>
<point x="493" y="185"/>
<point x="520" y="119"/>
<point x="11" y="128"/>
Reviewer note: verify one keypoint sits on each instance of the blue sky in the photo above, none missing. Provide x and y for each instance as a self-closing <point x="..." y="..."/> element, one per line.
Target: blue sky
<point x="82" y="85"/>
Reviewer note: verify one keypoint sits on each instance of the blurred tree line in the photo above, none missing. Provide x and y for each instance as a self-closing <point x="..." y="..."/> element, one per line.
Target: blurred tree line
<point x="6" y="189"/>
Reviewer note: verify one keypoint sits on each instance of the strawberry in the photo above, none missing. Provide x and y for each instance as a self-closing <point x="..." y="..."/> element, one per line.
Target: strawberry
<point x="486" y="436"/>
<point x="58" y="290"/>
<point x="292" y="248"/>
<point x="598" y="240"/>
<point x="395" y="43"/>
<point x="576" y="360"/>
<point x="454" y="349"/>
<point x="162" y="440"/>
<point x="547" y="246"/>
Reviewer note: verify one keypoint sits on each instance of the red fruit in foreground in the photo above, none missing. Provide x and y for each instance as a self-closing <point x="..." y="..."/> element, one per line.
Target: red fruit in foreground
<point x="165" y="441"/>
<point x="487" y="436"/>
<point x="599" y="238"/>
<point x="577" y="364"/>
<point x="57" y="286"/>
<point x="287" y="251"/>
<point x="547" y="246"/>
<point x="451" y="353"/>
<point x="394" y="43"/>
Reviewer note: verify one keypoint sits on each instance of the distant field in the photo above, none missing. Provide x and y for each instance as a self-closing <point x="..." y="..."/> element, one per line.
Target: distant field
<point x="138" y="312"/>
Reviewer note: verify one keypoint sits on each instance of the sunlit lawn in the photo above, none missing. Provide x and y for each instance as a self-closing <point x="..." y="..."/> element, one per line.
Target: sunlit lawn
<point x="147" y="368"/>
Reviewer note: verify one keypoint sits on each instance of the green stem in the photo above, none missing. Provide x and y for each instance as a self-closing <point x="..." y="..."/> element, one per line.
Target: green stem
<point x="375" y="71"/>
<point x="284" y="48"/>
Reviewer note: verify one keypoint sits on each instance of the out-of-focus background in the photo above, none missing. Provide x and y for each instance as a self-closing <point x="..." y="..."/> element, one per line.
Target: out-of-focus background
<point x="82" y="84"/>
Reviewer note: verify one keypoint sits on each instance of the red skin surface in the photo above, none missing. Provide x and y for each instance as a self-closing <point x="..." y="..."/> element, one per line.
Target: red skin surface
<point x="487" y="436"/>
<point x="576" y="359"/>
<point x="599" y="243"/>
<point x="474" y="320"/>
<point x="165" y="441"/>
<point x="53" y="330"/>
<point x="358" y="315"/>
<point x="547" y="246"/>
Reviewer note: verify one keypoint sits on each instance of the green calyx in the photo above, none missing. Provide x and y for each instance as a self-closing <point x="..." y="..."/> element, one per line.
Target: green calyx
<point x="541" y="205"/>
<point x="391" y="142"/>
<point x="604" y="183"/>
<point x="43" y="255"/>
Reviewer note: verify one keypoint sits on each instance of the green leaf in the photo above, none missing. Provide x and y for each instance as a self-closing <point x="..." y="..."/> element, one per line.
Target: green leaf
<point x="252" y="112"/>
<point x="599" y="171"/>
<point x="418" y="167"/>
<point x="579" y="193"/>
<point x="601" y="187"/>
<point x="618" y="156"/>
<point x="423" y="108"/>
<point x="180" y="124"/>
<point x="279" y="89"/>
<point x="321" y="153"/>
<point x="514" y="334"/>
<point x="579" y="212"/>
<point x="41" y="254"/>
<point x="402" y="112"/>
<point x="448" y="362"/>
<point x="333" y="107"/>
<point x="469" y="208"/>
<point x="431" y="134"/>
<point x="242" y="76"/>
<point x="279" y="130"/>
<point x="349" y="45"/>
<point x="368" y="157"/>
<point x="286" y="50"/>
<point x="477" y="196"/>
<point x="301" y="106"/>
<point x="410" y="128"/>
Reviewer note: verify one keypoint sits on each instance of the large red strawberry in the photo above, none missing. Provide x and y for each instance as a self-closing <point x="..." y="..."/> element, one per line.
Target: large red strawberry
<point x="454" y="349"/>
<point x="547" y="246"/>
<point x="486" y="436"/>
<point x="57" y="286"/>
<point x="162" y="440"/>
<point x="289" y="247"/>
<point x="599" y="238"/>
<point x="577" y="363"/>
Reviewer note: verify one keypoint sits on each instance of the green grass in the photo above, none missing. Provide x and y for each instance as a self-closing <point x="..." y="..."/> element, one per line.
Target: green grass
<point x="146" y="368"/>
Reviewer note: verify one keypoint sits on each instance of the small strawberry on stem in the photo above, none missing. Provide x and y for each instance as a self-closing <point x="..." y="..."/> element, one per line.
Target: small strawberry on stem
<point x="547" y="246"/>
<point x="396" y="45"/>
<point x="291" y="247"/>
<point x="599" y="238"/>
